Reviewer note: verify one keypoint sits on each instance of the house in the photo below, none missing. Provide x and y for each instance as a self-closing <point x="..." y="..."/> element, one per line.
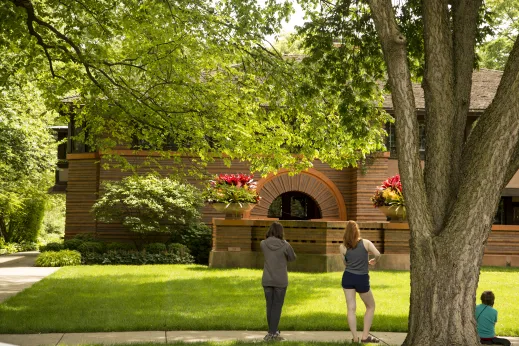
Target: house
<point x="316" y="201"/>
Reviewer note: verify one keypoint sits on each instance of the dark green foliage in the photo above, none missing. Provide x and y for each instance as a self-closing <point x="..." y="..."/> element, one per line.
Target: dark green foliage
<point x="86" y="236"/>
<point x="120" y="246"/>
<point x="91" y="246"/>
<point x="73" y="244"/>
<point x="155" y="248"/>
<point x="179" y="249"/>
<point x="51" y="247"/>
<point x="137" y="258"/>
<point x="58" y="259"/>
<point x="198" y="238"/>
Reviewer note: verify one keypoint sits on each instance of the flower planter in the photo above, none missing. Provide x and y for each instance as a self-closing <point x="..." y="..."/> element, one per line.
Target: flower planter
<point x="233" y="211"/>
<point x="396" y="213"/>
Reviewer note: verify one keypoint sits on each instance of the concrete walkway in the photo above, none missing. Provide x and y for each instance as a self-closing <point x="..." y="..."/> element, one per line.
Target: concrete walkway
<point x="17" y="272"/>
<point x="165" y="337"/>
<point x="175" y="336"/>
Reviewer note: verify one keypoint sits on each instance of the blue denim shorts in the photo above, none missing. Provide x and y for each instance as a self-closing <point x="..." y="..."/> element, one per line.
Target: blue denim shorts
<point x="358" y="282"/>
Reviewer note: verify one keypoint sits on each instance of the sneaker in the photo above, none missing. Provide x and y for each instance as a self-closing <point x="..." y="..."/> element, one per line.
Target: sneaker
<point x="277" y="337"/>
<point x="370" y="340"/>
<point x="268" y="337"/>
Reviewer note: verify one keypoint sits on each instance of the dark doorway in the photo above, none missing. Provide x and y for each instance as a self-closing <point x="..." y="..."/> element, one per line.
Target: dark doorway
<point x="294" y="205"/>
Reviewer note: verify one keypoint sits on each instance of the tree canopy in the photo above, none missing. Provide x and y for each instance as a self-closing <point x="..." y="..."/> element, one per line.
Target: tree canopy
<point x="196" y="77"/>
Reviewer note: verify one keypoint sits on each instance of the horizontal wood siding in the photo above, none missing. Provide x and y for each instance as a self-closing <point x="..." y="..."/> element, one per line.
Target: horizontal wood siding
<point x="82" y="188"/>
<point x="368" y="177"/>
<point x="87" y="171"/>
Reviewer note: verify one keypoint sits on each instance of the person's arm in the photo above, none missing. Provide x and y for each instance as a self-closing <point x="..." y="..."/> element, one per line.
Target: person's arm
<point x="372" y="250"/>
<point x="342" y="250"/>
<point x="289" y="252"/>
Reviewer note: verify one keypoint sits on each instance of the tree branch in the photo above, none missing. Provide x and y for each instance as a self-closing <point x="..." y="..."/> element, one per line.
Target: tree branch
<point x="440" y="106"/>
<point x="395" y="55"/>
<point x="465" y="18"/>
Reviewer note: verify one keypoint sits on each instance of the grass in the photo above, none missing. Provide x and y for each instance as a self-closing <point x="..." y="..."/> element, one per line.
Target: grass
<point x="176" y="297"/>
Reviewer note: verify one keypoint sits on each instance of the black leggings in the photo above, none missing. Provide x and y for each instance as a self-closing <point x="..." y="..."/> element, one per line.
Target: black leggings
<point x="275" y="297"/>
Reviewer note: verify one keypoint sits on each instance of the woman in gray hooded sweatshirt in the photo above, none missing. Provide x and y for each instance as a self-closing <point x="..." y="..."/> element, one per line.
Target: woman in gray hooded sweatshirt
<point x="277" y="252"/>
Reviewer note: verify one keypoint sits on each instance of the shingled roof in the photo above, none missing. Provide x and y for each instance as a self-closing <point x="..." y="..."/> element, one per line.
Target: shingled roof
<point x="484" y="86"/>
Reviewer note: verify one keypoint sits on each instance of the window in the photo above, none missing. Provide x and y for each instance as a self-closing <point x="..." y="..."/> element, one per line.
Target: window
<point x="294" y="205"/>
<point x="391" y="139"/>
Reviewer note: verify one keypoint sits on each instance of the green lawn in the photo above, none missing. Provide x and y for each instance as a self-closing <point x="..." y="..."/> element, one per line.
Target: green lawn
<point x="176" y="297"/>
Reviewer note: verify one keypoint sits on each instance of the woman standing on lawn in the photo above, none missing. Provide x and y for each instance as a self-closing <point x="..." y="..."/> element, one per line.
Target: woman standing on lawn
<point x="277" y="253"/>
<point x="355" y="278"/>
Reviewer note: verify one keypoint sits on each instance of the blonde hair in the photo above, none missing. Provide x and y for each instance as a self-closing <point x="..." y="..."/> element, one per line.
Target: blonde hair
<point x="351" y="235"/>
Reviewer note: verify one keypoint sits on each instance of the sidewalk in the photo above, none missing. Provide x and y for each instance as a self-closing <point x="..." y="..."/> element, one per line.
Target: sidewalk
<point x="188" y="336"/>
<point x="17" y="272"/>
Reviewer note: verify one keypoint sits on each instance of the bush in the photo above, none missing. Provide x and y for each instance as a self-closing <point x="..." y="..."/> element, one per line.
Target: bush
<point x="27" y="246"/>
<point x="148" y="204"/>
<point x="155" y="248"/>
<point x="51" y="247"/>
<point x="179" y="249"/>
<point x="25" y="225"/>
<point x="198" y="238"/>
<point x="7" y="248"/>
<point x="86" y="236"/>
<point x="91" y="246"/>
<point x="58" y="259"/>
<point x="120" y="247"/>
<point x="135" y="258"/>
<point x="72" y="244"/>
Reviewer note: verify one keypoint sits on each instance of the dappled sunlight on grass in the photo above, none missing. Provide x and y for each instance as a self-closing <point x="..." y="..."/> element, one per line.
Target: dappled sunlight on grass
<point x="184" y="297"/>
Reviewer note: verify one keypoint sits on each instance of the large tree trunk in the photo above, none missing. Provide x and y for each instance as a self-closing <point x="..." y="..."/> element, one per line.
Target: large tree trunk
<point x="444" y="279"/>
<point x="450" y="206"/>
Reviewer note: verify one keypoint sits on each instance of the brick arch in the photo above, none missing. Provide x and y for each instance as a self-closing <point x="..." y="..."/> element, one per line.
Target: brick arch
<point x="312" y="182"/>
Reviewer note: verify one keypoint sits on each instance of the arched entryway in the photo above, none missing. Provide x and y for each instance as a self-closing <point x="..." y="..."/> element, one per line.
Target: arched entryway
<point x="294" y="205"/>
<point x="319" y="189"/>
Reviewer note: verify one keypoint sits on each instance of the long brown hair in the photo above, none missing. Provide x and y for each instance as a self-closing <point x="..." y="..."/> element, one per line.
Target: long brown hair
<point x="351" y="235"/>
<point x="275" y="230"/>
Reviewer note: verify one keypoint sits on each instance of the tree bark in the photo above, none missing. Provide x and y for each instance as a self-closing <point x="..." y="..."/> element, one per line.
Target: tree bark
<point x="451" y="209"/>
<point x="444" y="276"/>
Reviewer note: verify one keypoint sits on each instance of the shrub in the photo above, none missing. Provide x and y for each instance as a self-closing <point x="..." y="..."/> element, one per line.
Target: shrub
<point x="148" y="204"/>
<point x="198" y="238"/>
<point x="73" y="244"/>
<point x="25" y="225"/>
<point x="51" y="247"/>
<point x="91" y="246"/>
<point x="8" y="248"/>
<point x="27" y="246"/>
<point x="155" y="248"/>
<point x="58" y="259"/>
<point x="135" y="258"/>
<point x="120" y="247"/>
<point x="179" y="249"/>
<point x="86" y="236"/>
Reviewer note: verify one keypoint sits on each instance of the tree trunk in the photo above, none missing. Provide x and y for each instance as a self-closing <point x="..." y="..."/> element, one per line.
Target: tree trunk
<point x="444" y="279"/>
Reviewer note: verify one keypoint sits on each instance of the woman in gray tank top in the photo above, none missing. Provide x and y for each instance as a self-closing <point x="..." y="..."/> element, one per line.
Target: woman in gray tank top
<point x="355" y="278"/>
